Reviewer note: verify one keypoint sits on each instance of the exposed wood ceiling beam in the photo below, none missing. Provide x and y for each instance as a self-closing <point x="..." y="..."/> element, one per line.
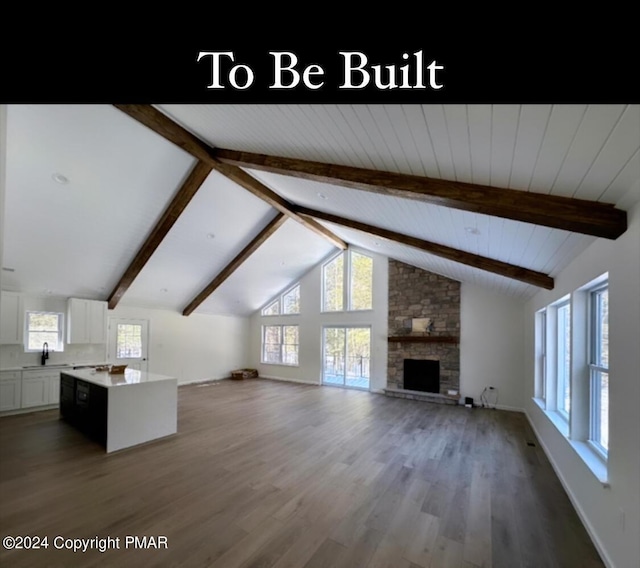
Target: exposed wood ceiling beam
<point x="532" y="277"/>
<point x="581" y="216"/>
<point x="173" y="132"/>
<point x="175" y="208"/>
<point x="228" y="270"/>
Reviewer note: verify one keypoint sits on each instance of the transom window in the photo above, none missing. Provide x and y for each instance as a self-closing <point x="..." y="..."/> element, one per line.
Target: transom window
<point x="347" y="283"/>
<point x="287" y="303"/>
<point x="44" y="327"/>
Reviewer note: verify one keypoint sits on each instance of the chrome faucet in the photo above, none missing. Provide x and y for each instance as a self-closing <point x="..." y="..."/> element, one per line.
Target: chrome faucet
<point x="45" y="353"/>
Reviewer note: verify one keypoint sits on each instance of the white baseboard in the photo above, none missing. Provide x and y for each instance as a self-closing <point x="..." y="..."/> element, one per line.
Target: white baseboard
<point x="576" y="505"/>
<point x="300" y="381"/>
<point x="199" y="381"/>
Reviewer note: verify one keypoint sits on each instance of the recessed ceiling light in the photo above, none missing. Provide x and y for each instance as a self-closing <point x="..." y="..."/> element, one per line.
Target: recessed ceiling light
<point x="211" y="236"/>
<point x="59" y="178"/>
<point x="472" y="230"/>
<point x="321" y="195"/>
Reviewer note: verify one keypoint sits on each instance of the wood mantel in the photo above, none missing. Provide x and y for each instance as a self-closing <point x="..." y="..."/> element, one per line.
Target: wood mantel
<point x="423" y="339"/>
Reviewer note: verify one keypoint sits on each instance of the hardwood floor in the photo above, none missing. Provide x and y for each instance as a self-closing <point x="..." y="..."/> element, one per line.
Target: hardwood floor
<point x="267" y="474"/>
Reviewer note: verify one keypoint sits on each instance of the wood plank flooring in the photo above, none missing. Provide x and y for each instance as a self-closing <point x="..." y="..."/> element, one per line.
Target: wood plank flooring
<point x="264" y="474"/>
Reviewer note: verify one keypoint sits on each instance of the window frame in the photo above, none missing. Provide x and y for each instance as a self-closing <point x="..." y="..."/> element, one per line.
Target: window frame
<point x="565" y="414"/>
<point x="60" y="331"/>
<point x="282" y="344"/>
<point x="596" y="368"/>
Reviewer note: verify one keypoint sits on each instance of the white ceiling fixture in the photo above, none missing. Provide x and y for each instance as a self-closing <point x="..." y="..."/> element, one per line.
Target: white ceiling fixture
<point x="60" y="178"/>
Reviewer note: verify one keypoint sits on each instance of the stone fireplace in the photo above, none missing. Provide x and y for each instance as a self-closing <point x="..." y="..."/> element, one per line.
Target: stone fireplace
<point x="416" y="295"/>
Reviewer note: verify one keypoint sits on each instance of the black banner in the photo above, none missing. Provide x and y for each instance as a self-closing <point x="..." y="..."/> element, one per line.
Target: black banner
<point x="208" y="71"/>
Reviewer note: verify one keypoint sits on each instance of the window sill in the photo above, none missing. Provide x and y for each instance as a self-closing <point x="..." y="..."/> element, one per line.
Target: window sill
<point x="280" y="364"/>
<point x="278" y="315"/>
<point x="559" y="422"/>
<point x="592" y="459"/>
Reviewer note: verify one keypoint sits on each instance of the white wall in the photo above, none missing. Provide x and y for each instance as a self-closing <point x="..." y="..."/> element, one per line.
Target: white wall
<point x="192" y="348"/>
<point x="611" y="514"/>
<point x="311" y="320"/>
<point x="3" y="169"/>
<point x="491" y="346"/>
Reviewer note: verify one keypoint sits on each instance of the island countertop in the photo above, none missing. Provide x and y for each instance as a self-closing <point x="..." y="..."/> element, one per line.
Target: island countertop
<point x="109" y="380"/>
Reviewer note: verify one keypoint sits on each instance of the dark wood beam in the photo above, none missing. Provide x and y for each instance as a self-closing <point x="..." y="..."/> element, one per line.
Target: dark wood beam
<point x="243" y="255"/>
<point x="577" y="215"/>
<point x="161" y="124"/>
<point x="532" y="277"/>
<point x="175" y="208"/>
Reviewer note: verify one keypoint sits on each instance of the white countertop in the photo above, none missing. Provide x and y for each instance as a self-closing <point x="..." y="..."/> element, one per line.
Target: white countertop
<point x="108" y="380"/>
<point x="50" y="366"/>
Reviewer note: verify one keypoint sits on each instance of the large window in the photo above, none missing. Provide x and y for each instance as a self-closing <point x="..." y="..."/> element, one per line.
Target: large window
<point x="280" y="344"/>
<point x="347" y="283"/>
<point x="41" y="328"/>
<point x="572" y="370"/>
<point x="285" y="304"/>
<point x="599" y="367"/>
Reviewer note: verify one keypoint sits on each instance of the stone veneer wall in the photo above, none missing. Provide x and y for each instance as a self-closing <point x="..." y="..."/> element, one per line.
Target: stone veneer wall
<point x="416" y="293"/>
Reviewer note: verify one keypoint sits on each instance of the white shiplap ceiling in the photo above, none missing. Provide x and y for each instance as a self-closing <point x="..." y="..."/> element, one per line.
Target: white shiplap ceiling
<point x="78" y="239"/>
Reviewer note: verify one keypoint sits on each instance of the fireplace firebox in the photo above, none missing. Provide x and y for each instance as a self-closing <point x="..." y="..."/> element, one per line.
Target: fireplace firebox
<point x="422" y="375"/>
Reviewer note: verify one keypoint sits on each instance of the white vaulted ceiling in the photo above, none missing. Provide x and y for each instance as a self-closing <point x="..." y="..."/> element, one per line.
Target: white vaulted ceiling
<point x="79" y="238"/>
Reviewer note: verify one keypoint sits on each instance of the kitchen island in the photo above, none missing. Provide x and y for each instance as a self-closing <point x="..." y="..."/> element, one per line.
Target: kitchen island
<point x="119" y="410"/>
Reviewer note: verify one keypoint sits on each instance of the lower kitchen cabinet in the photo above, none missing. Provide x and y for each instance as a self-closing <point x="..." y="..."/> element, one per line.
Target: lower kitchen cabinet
<point x="10" y="390"/>
<point x="40" y="388"/>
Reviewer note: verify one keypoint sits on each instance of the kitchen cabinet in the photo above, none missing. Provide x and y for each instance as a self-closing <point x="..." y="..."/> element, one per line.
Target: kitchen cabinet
<point x="10" y="390"/>
<point x="86" y="321"/>
<point x="40" y="388"/>
<point x="11" y="318"/>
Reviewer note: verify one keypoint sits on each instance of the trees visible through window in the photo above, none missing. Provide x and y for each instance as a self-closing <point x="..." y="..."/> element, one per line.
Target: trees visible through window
<point x="44" y="327"/>
<point x="280" y="344"/>
<point x="347" y="283"/>
<point x="286" y="303"/>
<point x="333" y="285"/>
<point x="291" y="301"/>
<point x="563" y="361"/>
<point x="129" y="341"/>
<point x="361" y="278"/>
<point x="599" y="367"/>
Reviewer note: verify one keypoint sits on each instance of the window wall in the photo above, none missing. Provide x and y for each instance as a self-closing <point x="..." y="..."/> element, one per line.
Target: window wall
<point x="572" y="368"/>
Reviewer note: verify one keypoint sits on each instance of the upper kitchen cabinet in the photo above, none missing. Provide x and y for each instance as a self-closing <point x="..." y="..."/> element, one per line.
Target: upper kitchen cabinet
<point x="11" y="318"/>
<point x="86" y="321"/>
